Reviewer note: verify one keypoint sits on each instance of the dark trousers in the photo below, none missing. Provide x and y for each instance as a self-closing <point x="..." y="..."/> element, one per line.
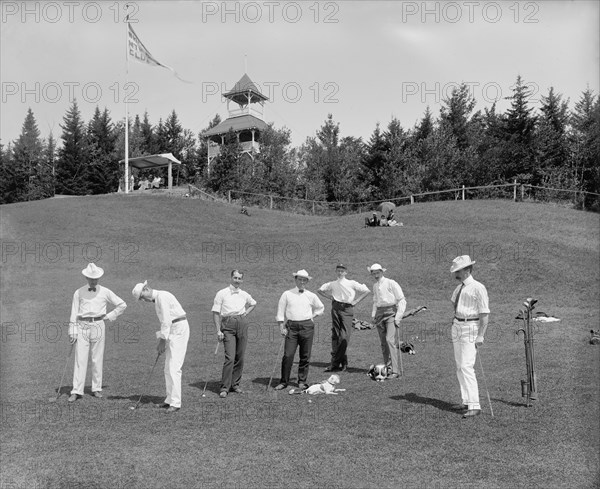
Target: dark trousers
<point x="235" y="329"/>
<point x="300" y="333"/>
<point x="341" y="327"/>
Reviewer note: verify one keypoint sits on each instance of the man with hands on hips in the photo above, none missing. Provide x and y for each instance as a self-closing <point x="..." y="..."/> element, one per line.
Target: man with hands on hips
<point x="230" y="308"/>
<point x="87" y="329"/>
<point x="295" y="313"/>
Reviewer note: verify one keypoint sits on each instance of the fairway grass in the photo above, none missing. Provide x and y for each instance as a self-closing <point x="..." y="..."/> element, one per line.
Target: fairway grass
<point x="396" y="434"/>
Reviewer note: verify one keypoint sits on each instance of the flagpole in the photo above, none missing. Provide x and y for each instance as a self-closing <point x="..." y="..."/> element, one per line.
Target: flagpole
<point x="126" y="105"/>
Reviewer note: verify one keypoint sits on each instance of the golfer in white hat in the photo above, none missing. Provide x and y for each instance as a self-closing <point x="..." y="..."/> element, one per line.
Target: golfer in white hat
<point x="389" y="305"/>
<point x="173" y="338"/>
<point x="295" y="313"/>
<point x="471" y="314"/>
<point x="86" y="328"/>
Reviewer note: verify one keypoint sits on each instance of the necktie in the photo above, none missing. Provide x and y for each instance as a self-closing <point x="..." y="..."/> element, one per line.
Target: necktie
<point x="458" y="297"/>
<point x="301" y="291"/>
<point x="92" y="289"/>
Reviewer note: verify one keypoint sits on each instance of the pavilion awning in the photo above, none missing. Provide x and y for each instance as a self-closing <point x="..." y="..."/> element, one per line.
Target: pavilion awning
<point x="154" y="161"/>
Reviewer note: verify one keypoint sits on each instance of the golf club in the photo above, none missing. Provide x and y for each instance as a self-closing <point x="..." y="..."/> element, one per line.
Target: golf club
<point x="206" y="383"/>
<point x="276" y="360"/>
<point x="485" y="382"/>
<point x="414" y="312"/>
<point x="400" y="359"/>
<point x="147" y="383"/>
<point x="55" y="398"/>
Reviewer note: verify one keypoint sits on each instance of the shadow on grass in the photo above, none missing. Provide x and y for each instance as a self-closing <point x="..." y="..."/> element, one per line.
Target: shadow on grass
<point x="510" y="403"/>
<point x="134" y="399"/>
<point x="436" y="403"/>
<point x="214" y="386"/>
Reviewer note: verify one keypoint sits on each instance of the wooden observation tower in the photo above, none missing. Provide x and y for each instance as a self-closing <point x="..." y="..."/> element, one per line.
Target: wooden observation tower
<point x="246" y="119"/>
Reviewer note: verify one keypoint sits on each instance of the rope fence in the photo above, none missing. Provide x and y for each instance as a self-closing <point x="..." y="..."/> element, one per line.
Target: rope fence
<point x="515" y="191"/>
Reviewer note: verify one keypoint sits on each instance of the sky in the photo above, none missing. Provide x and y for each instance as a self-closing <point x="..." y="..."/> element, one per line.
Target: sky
<point x="364" y="62"/>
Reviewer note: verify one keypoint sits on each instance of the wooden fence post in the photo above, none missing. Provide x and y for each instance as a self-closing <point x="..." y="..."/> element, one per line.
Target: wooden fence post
<point x="515" y="191"/>
<point x="229" y="196"/>
<point x="271" y="204"/>
<point x="412" y="199"/>
<point x="522" y="192"/>
<point x="463" y="192"/>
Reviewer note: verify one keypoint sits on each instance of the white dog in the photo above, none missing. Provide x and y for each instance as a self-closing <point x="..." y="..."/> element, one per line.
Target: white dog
<point x="325" y="387"/>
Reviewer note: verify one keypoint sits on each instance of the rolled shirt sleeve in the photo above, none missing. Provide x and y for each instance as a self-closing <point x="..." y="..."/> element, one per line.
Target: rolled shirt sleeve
<point x="119" y="304"/>
<point x="218" y="302"/>
<point x="281" y="306"/>
<point x="317" y="305"/>
<point x="74" y="312"/>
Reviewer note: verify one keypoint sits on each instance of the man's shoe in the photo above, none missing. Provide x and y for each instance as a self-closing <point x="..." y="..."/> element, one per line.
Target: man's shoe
<point x="163" y="405"/>
<point x="73" y="397"/>
<point x="281" y="386"/>
<point x="393" y="376"/>
<point x="172" y="409"/>
<point x="223" y="394"/>
<point x="237" y="390"/>
<point x="302" y="385"/>
<point x="472" y="412"/>
<point x="97" y="394"/>
<point x="331" y="368"/>
<point x="460" y="407"/>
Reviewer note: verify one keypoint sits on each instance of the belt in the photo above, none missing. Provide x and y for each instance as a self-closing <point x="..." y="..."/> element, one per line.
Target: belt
<point x="90" y="319"/>
<point x="464" y="320"/>
<point x="183" y="318"/>
<point x="345" y="304"/>
<point x="387" y="307"/>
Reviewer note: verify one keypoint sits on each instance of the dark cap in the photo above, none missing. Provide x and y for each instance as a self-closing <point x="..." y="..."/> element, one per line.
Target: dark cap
<point x="340" y="265"/>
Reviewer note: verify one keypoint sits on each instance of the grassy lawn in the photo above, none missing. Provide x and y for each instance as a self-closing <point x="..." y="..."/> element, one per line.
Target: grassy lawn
<point x="395" y="434"/>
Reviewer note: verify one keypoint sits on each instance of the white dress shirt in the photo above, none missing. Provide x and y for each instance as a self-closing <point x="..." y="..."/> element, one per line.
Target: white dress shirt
<point x="386" y="293"/>
<point x="232" y="302"/>
<point x="298" y="306"/>
<point x="89" y="304"/>
<point x="473" y="299"/>
<point x="344" y="290"/>
<point x="167" y="309"/>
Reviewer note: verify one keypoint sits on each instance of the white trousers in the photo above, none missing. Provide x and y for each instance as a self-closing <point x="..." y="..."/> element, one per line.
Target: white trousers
<point x="176" y="348"/>
<point x="90" y="335"/>
<point x="465" y="354"/>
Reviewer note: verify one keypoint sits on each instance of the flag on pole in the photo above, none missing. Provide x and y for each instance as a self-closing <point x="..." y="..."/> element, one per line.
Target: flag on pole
<point x="137" y="50"/>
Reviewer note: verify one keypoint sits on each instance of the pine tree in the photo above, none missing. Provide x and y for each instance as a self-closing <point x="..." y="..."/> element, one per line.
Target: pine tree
<point x="10" y="185"/>
<point x="373" y="163"/>
<point x="27" y="160"/>
<point x="102" y="173"/>
<point x="585" y="120"/>
<point x="552" y="145"/>
<point x="456" y="114"/>
<point x="425" y="127"/>
<point x="72" y="162"/>
<point x="518" y="158"/>
<point x="148" y="138"/>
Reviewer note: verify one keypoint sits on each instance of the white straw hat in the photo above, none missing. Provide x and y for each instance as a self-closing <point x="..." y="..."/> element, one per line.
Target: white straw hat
<point x="137" y="290"/>
<point x="461" y="262"/>
<point x="92" y="271"/>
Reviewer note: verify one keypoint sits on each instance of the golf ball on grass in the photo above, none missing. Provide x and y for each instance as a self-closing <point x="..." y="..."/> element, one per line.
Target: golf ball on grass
<point x="132" y="407"/>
